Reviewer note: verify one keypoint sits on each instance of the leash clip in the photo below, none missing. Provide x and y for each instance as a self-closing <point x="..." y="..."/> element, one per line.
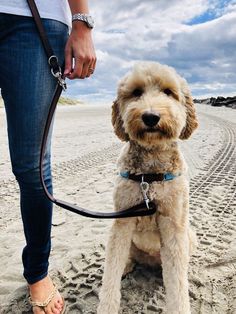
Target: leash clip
<point x="56" y="71"/>
<point x="144" y="189"/>
<point x="60" y="79"/>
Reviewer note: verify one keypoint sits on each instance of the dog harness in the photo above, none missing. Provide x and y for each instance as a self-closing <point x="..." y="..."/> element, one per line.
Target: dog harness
<point x="145" y="179"/>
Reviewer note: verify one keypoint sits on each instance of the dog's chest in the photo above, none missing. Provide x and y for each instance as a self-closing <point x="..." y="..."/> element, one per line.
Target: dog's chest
<point x="147" y="236"/>
<point x="128" y="193"/>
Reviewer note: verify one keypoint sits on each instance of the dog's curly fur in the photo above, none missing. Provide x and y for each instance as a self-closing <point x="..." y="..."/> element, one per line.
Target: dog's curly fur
<point x="164" y="238"/>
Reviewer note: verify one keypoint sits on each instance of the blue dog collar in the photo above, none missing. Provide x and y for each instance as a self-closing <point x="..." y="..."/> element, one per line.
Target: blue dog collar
<point x="149" y="177"/>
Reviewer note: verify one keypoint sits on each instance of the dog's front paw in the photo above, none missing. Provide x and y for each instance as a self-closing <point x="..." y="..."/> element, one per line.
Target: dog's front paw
<point x="108" y="307"/>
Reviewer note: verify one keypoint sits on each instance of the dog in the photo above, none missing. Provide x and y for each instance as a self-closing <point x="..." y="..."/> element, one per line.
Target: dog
<point x="152" y="111"/>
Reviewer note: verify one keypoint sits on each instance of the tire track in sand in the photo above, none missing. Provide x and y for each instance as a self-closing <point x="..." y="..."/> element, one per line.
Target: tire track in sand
<point x="213" y="214"/>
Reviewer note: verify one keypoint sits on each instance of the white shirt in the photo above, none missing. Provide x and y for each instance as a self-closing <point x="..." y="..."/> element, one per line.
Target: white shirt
<point x="53" y="9"/>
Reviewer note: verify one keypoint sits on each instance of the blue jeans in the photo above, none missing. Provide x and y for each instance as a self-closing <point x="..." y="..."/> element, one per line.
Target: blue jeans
<point x="27" y="88"/>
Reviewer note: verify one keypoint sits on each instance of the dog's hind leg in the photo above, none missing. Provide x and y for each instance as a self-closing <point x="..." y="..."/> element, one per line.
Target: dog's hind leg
<point x="117" y="254"/>
<point x="175" y="259"/>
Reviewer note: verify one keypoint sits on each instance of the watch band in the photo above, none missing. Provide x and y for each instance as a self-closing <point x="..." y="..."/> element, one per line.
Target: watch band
<point x="84" y="17"/>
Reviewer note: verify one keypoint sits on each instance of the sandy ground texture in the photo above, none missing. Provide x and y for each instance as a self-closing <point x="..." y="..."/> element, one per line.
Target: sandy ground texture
<point x="85" y="150"/>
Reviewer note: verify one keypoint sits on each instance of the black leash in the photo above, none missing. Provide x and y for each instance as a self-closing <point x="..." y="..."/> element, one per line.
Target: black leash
<point x="137" y="210"/>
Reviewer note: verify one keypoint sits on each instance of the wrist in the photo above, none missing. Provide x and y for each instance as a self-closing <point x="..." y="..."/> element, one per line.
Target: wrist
<point x="80" y="26"/>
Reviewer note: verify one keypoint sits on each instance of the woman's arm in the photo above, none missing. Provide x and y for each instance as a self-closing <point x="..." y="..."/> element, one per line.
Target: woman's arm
<point x="79" y="45"/>
<point x="78" y="6"/>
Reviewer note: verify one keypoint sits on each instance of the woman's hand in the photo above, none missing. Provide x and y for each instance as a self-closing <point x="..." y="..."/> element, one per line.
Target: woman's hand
<point x="80" y="58"/>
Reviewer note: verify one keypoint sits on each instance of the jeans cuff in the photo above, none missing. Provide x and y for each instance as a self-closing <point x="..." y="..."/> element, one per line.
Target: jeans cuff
<point x="36" y="279"/>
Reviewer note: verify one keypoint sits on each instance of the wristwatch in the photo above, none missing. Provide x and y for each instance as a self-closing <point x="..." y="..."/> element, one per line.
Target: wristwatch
<point x="84" y="18"/>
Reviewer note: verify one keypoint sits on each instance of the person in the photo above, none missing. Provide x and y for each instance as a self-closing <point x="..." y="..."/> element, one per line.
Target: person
<point x="27" y="87"/>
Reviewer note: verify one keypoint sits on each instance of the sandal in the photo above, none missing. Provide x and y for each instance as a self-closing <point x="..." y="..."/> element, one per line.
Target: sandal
<point x="45" y="303"/>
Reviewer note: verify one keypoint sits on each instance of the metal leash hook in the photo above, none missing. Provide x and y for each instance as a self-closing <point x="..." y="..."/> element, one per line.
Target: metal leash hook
<point x="144" y="189"/>
<point x="60" y="79"/>
<point x="56" y="71"/>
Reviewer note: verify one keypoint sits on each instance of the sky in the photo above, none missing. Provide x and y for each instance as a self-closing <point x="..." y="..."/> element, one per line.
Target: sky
<point x="196" y="37"/>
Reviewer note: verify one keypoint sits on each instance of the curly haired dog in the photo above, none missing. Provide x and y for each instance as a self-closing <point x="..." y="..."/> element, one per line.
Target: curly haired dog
<point x="153" y="109"/>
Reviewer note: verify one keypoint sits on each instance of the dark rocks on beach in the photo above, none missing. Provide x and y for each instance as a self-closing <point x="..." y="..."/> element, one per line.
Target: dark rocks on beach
<point x="218" y="101"/>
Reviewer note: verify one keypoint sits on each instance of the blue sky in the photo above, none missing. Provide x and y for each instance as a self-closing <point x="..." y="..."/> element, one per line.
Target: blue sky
<point x="196" y="37"/>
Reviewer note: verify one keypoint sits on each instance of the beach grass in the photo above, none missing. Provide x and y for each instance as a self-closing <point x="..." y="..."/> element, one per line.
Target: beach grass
<point x="63" y="101"/>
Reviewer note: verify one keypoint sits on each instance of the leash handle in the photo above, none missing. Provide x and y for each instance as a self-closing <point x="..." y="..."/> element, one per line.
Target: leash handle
<point x="137" y="210"/>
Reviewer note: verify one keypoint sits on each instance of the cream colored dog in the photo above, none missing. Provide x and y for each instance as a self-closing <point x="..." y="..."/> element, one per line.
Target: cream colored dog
<point x="153" y="110"/>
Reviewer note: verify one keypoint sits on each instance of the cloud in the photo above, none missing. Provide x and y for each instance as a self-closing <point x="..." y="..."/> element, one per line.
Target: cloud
<point x="205" y="53"/>
<point x="198" y="38"/>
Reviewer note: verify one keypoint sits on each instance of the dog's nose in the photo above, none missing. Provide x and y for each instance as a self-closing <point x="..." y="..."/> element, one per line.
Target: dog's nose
<point x="150" y="119"/>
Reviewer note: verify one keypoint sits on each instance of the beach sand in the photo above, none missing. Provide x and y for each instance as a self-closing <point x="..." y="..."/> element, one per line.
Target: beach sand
<point x="85" y="150"/>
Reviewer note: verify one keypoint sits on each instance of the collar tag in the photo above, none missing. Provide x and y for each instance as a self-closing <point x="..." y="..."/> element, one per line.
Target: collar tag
<point x="144" y="189"/>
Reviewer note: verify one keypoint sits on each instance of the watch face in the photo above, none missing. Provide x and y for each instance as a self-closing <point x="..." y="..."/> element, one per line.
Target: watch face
<point x="90" y="21"/>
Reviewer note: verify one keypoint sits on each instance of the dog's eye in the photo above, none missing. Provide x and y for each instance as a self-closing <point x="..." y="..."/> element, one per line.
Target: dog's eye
<point x="137" y="92"/>
<point x="168" y="91"/>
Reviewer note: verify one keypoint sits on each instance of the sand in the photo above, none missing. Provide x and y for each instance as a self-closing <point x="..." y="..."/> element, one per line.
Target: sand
<point x="84" y="154"/>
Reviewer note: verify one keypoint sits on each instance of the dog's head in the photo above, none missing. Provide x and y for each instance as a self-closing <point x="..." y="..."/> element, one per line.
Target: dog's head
<point x="153" y="104"/>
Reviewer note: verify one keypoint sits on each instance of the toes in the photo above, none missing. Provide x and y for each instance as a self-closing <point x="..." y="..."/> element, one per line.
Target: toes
<point x="55" y="308"/>
<point x="49" y="310"/>
<point x="38" y="310"/>
<point x="57" y="305"/>
<point x="55" y="311"/>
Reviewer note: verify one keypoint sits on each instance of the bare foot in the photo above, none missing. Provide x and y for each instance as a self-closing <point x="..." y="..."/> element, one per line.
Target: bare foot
<point x="40" y="291"/>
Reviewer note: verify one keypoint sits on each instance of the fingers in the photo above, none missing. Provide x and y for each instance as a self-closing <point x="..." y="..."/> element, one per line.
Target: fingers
<point x="78" y="68"/>
<point x="68" y="61"/>
<point x="83" y="67"/>
<point x="91" y="67"/>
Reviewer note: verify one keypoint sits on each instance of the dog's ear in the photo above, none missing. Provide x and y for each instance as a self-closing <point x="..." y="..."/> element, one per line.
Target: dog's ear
<point x="117" y="122"/>
<point x="191" y="118"/>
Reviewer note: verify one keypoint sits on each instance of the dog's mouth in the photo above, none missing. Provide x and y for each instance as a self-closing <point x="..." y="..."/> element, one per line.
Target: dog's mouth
<point x="151" y="130"/>
<point x="154" y="130"/>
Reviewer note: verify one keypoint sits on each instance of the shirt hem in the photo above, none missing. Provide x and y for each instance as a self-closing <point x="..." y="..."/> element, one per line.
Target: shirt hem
<point x="44" y="15"/>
